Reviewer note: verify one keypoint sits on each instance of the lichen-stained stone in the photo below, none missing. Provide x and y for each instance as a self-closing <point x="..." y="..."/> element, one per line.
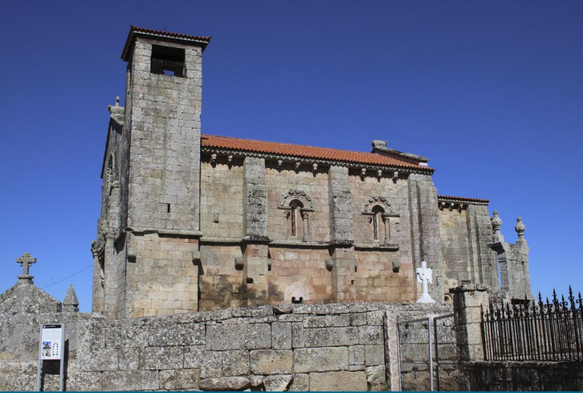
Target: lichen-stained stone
<point x="300" y="383"/>
<point x="370" y="334"/>
<point x="161" y="333"/>
<point x="338" y="381"/>
<point x="320" y="359"/>
<point x="281" y="335"/>
<point x="223" y="337"/>
<point x="358" y="319"/>
<point x="127" y="333"/>
<point x="18" y="375"/>
<point x="129" y="358"/>
<point x="277" y="383"/>
<point x="161" y="358"/>
<point x="194" y="356"/>
<point x="82" y="381"/>
<point x="374" y="317"/>
<point x="234" y="363"/>
<point x="179" y="379"/>
<point x="374" y="354"/>
<point x="376" y="378"/>
<point x="324" y="337"/>
<point x="356" y="354"/>
<point x="225" y="383"/>
<point x="327" y="321"/>
<point x="99" y="359"/>
<point x="269" y="361"/>
<point x="130" y="380"/>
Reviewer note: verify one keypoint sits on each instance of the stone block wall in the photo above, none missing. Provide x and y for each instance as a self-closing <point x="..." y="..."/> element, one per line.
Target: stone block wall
<point x="164" y="175"/>
<point x="465" y="231"/>
<point x="522" y="376"/>
<point x="414" y="339"/>
<point x="285" y="347"/>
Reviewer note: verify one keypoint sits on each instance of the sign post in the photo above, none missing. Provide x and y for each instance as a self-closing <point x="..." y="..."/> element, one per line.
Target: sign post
<point x="51" y="348"/>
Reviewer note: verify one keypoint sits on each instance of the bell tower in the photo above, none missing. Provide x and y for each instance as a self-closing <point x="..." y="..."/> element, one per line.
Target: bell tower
<point x="163" y="108"/>
<point x="148" y="239"/>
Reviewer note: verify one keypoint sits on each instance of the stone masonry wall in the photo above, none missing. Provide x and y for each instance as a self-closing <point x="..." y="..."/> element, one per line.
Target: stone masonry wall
<point x="286" y="347"/>
<point x="522" y="376"/>
<point x="465" y="233"/>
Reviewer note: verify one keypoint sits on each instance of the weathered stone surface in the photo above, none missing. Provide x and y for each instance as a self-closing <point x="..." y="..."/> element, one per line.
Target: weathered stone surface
<point x="374" y="354"/>
<point x="223" y="337"/>
<point x="327" y="321"/>
<point x="370" y="335"/>
<point x="320" y="359"/>
<point x="130" y="380"/>
<point x="179" y="379"/>
<point x="375" y="377"/>
<point x="338" y="381"/>
<point x="25" y="297"/>
<point x="104" y="359"/>
<point x="226" y="383"/>
<point x="269" y="361"/>
<point x="324" y="337"/>
<point x="83" y="381"/>
<point x="300" y="383"/>
<point x="161" y="358"/>
<point x="281" y="335"/>
<point x="356" y="354"/>
<point x="163" y="334"/>
<point x="277" y="383"/>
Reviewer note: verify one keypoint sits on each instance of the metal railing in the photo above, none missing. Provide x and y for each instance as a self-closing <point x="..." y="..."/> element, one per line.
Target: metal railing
<point x="167" y="67"/>
<point x="539" y="331"/>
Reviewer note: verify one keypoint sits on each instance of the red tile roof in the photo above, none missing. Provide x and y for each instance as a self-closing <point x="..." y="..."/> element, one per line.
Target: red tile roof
<point x="136" y="29"/>
<point x="462" y="199"/>
<point x="288" y="149"/>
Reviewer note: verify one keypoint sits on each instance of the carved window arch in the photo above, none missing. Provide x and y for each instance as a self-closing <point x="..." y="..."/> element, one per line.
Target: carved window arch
<point x="297" y="206"/>
<point x="379" y="212"/>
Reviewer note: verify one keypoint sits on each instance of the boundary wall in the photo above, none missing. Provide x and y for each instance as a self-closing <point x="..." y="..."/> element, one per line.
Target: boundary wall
<point x="284" y="347"/>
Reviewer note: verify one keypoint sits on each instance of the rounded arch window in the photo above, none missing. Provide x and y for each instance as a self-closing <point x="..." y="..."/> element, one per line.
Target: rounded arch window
<point x="295" y="208"/>
<point x="377" y="220"/>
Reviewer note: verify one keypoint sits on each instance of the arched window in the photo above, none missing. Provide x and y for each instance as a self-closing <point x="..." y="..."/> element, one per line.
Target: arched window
<point x="297" y="206"/>
<point x="295" y="216"/>
<point x="377" y="221"/>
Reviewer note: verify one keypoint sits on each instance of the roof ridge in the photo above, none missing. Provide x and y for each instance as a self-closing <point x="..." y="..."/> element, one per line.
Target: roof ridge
<point x="286" y="143"/>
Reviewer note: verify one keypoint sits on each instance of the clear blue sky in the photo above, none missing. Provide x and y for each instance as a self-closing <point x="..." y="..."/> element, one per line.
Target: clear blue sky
<point x="490" y="91"/>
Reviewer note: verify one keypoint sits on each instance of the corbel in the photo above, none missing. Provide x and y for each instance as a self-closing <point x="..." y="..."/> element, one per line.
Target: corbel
<point x="395" y="176"/>
<point x="362" y="174"/>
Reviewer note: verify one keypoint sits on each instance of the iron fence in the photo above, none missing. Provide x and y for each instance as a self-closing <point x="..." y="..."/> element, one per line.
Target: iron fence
<point x="540" y="331"/>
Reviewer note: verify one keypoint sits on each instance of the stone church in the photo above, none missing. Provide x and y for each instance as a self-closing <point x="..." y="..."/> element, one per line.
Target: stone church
<point x="192" y="221"/>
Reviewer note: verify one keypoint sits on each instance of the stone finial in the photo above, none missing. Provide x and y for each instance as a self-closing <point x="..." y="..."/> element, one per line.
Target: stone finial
<point x="378" y="143"/>
<point x="496" y="224"/>
<point x="71" y="303"/>
<point x="117" y="101"/>
<point x="519" y="228"/>
<point x="26" y="260"/>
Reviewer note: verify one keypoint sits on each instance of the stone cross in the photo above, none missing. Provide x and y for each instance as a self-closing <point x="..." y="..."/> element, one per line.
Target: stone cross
<point x="26" y="260"/>
<point x="424" y="276"/>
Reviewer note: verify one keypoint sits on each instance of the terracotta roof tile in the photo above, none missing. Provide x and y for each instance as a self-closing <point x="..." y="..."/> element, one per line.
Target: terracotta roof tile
<point x="136" y="29"/>
<point x="462" y="199"/>
<point x="288" y="149"/>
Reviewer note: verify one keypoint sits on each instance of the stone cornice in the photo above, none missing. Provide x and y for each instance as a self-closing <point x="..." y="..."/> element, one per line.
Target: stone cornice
<point x="319" y="161"/>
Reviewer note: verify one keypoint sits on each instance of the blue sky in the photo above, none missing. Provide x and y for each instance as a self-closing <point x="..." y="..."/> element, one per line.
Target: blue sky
<point x="490" y="91"/>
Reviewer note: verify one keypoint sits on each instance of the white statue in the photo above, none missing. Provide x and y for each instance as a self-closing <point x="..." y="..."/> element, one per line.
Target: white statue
<point x="424" y="276"/>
